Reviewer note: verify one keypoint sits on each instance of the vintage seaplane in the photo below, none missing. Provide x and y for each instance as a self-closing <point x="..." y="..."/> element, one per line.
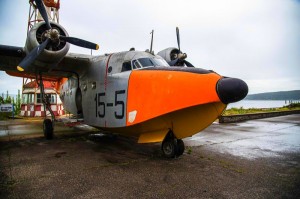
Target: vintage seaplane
<point x="154" y="97"/>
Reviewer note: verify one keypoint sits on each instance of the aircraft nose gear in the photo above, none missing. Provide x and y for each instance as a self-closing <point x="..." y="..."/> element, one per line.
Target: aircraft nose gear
<point x="172" y="147"/>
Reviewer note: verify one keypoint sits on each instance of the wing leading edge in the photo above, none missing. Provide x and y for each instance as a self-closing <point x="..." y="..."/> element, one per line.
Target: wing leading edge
<point x="11" y="56"/>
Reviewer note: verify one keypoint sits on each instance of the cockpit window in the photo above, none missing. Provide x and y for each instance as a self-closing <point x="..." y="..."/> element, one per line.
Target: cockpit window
<point x="126" y="66"/>
<point x="160" y="62"/>
<point x="148" y="62"/>
<point x="136" y="64"/>
<point x="143" y="63"/>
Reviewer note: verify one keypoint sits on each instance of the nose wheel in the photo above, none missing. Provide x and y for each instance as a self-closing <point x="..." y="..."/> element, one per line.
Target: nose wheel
<point x="172" y="147"/>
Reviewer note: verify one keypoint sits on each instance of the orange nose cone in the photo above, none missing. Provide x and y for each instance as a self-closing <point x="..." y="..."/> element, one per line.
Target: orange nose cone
<point x="152" y="93"/>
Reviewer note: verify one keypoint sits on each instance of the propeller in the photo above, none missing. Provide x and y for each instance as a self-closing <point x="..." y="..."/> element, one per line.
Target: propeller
<point x="178" y="38"/>
<point x="52" y="35"/>
<point x="32" y="56"/>
<point x="180" y="57"/>
<point x="80" y="42"/>
<point x="43" y="12"/>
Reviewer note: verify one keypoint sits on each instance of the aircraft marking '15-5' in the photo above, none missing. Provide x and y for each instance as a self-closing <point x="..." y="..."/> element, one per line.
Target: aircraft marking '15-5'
<point x="155" y="97"/>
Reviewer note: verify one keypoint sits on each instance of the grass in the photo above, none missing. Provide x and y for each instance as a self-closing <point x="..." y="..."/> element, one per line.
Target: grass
<point x="241" y="110"/>
<point x="189" y="150"/>
<point x="4" y="116"/>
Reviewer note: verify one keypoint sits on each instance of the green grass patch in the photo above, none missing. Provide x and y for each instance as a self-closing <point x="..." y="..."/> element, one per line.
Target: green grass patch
<point x="5" y="116"/>
<point x="241" y="110"/>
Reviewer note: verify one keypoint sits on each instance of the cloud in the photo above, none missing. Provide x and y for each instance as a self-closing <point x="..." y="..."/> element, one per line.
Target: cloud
<point x="11" y="84"/>
<point x="255" y="40"/>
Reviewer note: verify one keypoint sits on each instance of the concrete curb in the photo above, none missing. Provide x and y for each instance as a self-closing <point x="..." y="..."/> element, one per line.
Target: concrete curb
<point x="243" y="117"/>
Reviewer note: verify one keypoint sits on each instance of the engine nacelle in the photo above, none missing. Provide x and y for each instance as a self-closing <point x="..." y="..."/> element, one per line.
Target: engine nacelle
<point x="169" y="54"/>
<point x="54" y="51"/>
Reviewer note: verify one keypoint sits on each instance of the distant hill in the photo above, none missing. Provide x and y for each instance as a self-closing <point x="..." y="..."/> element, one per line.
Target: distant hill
<point x="281" y="95"/>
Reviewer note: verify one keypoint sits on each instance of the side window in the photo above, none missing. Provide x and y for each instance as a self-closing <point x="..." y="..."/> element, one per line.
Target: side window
<point x="38" y="98"/>
<point x="25" y="98"/>
<point x="30" y="98"/>
<point x="136" y="64"/>
<point x="126" y="66"/>
<point x="51" y="98"/>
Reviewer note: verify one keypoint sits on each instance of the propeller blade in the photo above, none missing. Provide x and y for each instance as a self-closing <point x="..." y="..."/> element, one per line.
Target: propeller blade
<point x="188" y="64"/>
<point x="178" y="38"/>
<point x="80" y="42"/>
<point x="42" y="10"/>
<point x="29" y="59"/>
<point x="173" y="62"/>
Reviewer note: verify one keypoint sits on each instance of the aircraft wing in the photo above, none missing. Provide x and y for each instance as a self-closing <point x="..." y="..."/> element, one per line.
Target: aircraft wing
<point x="11" y="56"/>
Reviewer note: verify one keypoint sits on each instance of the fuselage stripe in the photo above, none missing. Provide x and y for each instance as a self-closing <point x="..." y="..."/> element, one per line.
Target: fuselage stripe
<point x="105" y="82"/>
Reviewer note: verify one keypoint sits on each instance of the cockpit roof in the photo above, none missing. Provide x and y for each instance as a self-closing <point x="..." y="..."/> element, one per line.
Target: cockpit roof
<point x="131" y="60"/>
<point x="130" y="55"/>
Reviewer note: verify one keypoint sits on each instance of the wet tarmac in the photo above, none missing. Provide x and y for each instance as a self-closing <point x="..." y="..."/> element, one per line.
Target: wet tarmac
<point x="32" y="127"/>
<point x="252" y="139"/>
<point x="253" y="159"/>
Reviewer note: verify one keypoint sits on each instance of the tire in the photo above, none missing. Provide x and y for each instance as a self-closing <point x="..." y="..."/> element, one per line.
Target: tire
<point x="180" y="147"/>
<point x="169" y="148"/>
<point x="48" y="129"/>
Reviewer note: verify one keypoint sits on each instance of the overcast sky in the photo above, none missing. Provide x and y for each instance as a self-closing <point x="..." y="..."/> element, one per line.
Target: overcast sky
<point x="255" y="40"/>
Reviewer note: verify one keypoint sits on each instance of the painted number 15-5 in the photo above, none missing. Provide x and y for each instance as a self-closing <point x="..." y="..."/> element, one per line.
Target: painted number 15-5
<point x="101" y="106"/>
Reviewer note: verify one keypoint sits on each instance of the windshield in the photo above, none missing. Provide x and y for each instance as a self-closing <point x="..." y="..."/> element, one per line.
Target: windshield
<point x="160" y="62"/>
<point x="148" y="62"/>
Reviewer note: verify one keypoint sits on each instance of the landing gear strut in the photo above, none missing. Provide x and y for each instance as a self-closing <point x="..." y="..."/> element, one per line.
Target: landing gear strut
<point x="48" y="124"/>
<point x="172" y="147"/>
<point x="48" y="129"/>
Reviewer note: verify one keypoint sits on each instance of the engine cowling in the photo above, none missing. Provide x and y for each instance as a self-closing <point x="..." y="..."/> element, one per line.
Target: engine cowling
<point x="169" y="54"/>
<point x="55" y="50"/>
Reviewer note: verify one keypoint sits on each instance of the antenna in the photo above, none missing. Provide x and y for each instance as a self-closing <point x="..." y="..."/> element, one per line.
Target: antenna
<point x="152" y="33"/>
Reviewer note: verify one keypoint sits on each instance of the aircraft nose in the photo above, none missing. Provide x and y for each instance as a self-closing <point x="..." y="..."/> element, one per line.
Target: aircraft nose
<point x="231" y="90"/>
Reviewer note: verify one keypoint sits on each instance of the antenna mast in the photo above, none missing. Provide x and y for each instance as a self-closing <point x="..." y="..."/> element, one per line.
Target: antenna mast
<point x="152" y="33"/>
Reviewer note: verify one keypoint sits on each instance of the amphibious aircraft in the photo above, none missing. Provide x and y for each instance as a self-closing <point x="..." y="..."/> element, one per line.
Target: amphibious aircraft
<point x="155" y="97"/>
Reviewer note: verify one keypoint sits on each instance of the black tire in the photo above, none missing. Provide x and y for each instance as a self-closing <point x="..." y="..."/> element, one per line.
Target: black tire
<point x="48" y="129"/>
<point x="180" y="147"/>
<point x="169" y="148"/>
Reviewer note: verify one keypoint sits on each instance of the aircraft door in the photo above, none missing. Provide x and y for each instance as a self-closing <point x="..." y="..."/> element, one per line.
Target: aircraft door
<point x="78" y="101"/>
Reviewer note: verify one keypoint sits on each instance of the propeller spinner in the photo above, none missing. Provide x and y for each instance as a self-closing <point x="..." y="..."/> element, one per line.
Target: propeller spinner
<point x="51" y="36"/>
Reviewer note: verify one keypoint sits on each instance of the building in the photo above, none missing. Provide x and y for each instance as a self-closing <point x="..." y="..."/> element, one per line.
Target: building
<point x="32" y="105"/>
